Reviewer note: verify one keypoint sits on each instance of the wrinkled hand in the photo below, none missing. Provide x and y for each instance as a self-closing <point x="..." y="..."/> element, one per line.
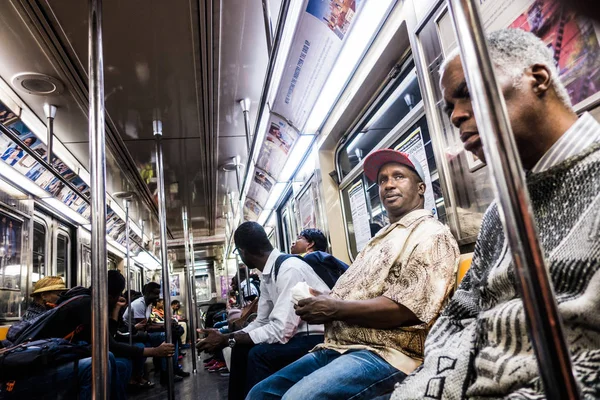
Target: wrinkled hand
<point x="165" y="350"/>
<point x="214" y="340"/>
<point x="319" y="309"/>
<point x="141" y="326"/>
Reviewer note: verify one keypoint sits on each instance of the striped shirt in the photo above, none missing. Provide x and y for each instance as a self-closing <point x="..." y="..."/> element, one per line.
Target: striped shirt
<point x="577" y="138"/>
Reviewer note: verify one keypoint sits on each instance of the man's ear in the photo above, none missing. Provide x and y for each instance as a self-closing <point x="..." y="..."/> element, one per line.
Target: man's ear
<point x="422" y="188"/>
<point x="542" y="79"/>
<point x="310" y="246"/>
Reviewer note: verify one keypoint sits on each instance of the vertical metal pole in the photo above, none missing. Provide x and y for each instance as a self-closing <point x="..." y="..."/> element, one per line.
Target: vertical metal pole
<point x="544" y="323"/>
<point x="50" y="112"/>
<point x="100" y="372"/>
<point x="268" y="26"/>
<point x="130" y="314"/>
<point x="162" y="216"/>
<point x="188" y="282"/>
<point x="193" y="272"/>
<point x="245" y="104"/>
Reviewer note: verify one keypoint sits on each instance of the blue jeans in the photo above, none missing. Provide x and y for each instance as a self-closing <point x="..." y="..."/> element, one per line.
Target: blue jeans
<point x="59" y="383"/>
<point x="327" y="374"/>
<point x="156" y="339"/>
<point x="252" y="364"/>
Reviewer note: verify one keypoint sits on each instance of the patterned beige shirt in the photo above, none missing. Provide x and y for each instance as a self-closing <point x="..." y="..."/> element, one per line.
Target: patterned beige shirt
<point x="412" y="262"/>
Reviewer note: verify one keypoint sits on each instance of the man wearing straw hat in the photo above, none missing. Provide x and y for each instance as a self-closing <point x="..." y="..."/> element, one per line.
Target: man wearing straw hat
<point x="45" y="294"/>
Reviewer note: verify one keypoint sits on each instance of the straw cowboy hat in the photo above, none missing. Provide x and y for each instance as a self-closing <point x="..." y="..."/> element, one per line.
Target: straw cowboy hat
<point x="49" y="284"/>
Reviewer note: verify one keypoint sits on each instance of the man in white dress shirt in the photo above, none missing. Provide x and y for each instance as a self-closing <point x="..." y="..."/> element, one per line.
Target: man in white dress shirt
<point x="278" y="336"/>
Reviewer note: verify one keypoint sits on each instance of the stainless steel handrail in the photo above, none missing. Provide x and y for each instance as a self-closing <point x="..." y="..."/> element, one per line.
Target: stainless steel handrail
<point x="268" y="25"/>
<point x="194" y="297"/>
<point x="127" y="244"/>
<point x="283" y="11"/>
<point x="100" y="387"/>
<point x="166" y="287"/>
<point x="189" y="266"/>
<point x="544" y="323"/>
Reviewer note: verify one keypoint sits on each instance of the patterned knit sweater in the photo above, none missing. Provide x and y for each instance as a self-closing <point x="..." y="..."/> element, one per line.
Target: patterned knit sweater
<point x="479" y="347"/>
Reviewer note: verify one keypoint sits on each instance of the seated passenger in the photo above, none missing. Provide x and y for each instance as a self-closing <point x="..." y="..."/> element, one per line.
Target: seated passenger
<point x="480" y="347"/>
<point x="45" y="293"/>
<point x="142" y="310"/>
<point x="309" y="240"/>
<point x="311" y="244"/>
<point x="277" y="337"/>
<point x="178" y="315"/>
<point x="380" y="310"/>
<point x="73" y="320"/>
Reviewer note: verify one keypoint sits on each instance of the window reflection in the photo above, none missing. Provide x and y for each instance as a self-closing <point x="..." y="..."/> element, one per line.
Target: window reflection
<point x="404" y="97"/>
<point x="39" y="251"/>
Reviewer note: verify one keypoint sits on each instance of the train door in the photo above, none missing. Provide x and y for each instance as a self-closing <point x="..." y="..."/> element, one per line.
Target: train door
<point x="14" y="245"/>
<point x="52" y="248"/>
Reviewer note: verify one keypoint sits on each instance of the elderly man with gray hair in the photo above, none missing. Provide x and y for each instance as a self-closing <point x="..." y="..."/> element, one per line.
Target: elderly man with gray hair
<point x="479" y="347"/>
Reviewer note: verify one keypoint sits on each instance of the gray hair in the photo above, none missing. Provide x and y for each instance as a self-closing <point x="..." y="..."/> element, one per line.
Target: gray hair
<point x="513" y="51"/>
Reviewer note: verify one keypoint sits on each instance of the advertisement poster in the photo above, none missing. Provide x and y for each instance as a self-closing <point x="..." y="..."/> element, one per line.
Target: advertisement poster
<point x="415" y="146"/>
<point x="261" y="186"/>
<point x="6" y="115"/>
<point x="224" y="287"/>
<point x="317" y="42"/>
<point x="251" y="209"/>
<point x="360" y="215"/>
<point x="306" y="207"/>
<point x="275" y="149"/>
<point x="175" y="287"/>
<point x="574" y="40"/>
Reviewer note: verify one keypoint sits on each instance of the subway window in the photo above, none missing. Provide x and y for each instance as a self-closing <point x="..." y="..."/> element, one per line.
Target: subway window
<point x="397" y="121"/>
<point x="62" y="255"/>
<point x="39" y="251"/>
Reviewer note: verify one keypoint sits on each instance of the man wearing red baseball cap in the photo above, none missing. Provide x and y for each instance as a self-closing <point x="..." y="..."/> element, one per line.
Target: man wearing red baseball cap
<point x="379" y="312"/>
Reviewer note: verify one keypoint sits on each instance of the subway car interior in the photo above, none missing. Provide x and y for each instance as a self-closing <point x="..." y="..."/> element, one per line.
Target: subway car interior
<point x="136" y="137"/>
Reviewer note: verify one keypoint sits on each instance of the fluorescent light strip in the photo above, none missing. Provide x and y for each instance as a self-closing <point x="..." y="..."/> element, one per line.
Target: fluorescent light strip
<point x="295" y="11"/>
<point x="11" y="190"/>
<point x="21" y="182"/>
<point x="63" y="209"/>
<point x="276" y="193"/>
<point x="295" y="156"/>
<point x="361" y="34"/>
<point x="262" y="219"/>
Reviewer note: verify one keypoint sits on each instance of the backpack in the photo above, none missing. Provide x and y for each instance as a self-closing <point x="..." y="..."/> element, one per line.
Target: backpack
<point x="26" y="359"/>
<point x="28" y="330"/>
<point x="326" y="266"/>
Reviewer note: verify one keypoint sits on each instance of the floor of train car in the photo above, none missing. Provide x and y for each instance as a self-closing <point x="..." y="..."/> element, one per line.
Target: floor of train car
<point x="203" y="385"/>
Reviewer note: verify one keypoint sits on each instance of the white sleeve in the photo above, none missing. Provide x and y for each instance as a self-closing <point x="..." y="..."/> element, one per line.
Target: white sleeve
<point x="265" y="305"/>
<point x="283" y="321"/>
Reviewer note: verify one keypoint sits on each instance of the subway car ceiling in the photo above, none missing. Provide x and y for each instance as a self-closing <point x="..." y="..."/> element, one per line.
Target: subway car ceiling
<point x="222" y="92"/>
<point x="184" y="76"/>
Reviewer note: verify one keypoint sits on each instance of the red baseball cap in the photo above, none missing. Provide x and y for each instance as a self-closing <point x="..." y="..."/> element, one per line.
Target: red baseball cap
<point x="379" y="158"/>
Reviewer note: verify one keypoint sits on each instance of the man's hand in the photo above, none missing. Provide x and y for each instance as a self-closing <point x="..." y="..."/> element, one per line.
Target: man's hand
<point x="164" y="350"/>
<point x="320" y="309"/>
<point x="141" y="326"/>
<point x="214" y="340"/>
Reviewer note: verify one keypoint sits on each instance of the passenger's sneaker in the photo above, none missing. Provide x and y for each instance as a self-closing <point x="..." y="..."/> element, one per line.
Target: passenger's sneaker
<point x="210" y="364"/>
<point x="182" y="373"/>
<point x="218" y="367"/>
